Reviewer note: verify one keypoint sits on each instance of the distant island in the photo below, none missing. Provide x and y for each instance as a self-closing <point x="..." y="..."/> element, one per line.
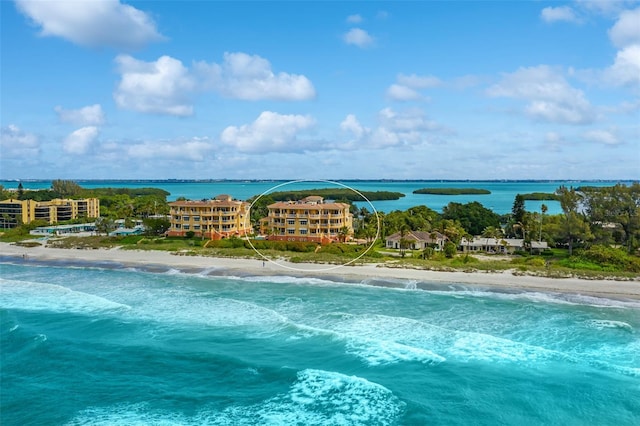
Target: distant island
<point x="540" y="196"/>
<point x="336" y="194"/>
<point x="452" y="191"/>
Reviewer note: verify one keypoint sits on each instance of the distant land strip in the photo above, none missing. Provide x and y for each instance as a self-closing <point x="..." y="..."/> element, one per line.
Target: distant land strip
<point x="540" y="196"/>
<point x="452" y="191"/>
<point x="336" y="194"/>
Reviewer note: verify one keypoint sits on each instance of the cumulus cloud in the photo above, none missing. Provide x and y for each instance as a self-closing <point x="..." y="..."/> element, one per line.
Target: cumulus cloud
<point x="95" y="23"/>
<point x="354" y="19"/>
<point x="407" y="86"/>
<point x="625" y="70"/>
<point x="358" y="37"/>
<point x="250" y="77"/>
<point x="80" y="141"/>
<point x="393" y="129"/>
<point x="601" y="136"/>
<point x="87" y="116"/>
<point x="195" y="149"/>
<point x="160" y="87"/>
<point x="550" y="97"/>
<point x="398" y="92"/>
<point x="626" y="30"/>
<point x="557" y="14"/>
<point x="15" y="143"/>
<point x="270" y="132"/>
<point x="419" y="81"/>
<point x="352" y="126"/>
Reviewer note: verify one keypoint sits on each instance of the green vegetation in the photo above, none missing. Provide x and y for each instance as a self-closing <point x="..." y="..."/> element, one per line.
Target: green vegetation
<point x="596" y="235"/>
<point x="452" y="191"/>
<point x="540" y="196"/>
<point x="336" y="194"/>
<point x="473" y="217"/>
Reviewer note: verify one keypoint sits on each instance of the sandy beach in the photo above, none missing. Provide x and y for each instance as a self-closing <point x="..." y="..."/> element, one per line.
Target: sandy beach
<point x="504" y="280"/>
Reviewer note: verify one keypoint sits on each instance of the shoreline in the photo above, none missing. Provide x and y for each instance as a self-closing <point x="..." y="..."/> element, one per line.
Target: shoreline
<point x="151" y="260"/>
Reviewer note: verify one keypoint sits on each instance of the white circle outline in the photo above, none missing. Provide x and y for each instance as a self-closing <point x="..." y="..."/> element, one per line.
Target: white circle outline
<point x="313" y="270"/>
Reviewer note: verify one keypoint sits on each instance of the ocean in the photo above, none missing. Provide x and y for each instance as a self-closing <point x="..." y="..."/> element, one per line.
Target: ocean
<point x="500" y="200"/>
<point x="101" y="344"/>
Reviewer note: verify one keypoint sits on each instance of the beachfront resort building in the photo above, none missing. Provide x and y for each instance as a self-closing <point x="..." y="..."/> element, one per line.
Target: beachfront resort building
<point x="14" y="212"/>
<point x="310" y="219"/>
<point x="221" y="217"/>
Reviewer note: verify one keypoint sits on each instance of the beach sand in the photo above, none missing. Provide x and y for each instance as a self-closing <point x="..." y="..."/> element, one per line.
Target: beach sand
<point x="504" y="280"/>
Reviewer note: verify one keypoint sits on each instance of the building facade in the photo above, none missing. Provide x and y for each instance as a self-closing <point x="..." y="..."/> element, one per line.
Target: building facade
<point x="310" y="219"/>
<point x="14" y="212"/>
<point x="416" y="240"/>
<point x="221" y="217"/>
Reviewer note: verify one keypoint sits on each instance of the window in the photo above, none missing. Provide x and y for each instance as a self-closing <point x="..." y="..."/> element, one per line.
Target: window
<point x="185" y="218"/>
<point x="303" y="232"/>
<point x="196" y="227"/>
<point x="196" y="218"/>
<point x="303" y="222"/>
<point x="185" y="227"/>
<point x="291" y="231"/>
<point x="291" y="222"/>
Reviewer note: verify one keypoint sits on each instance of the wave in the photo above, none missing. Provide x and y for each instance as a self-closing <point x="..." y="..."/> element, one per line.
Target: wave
<point x="316" y="397"/>
<point x="542" y="297"/>
<point x="35" y="296"/>
<point x="611" y="324"/>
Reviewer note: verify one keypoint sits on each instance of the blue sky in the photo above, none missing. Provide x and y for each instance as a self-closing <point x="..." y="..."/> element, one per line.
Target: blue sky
<point x="109" y="89"/>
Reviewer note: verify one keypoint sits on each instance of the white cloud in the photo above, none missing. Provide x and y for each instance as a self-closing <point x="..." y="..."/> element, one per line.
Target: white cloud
<point x="250" y="77"/>
<point x="352" y="126"/>
<point x="160" y="87"/>
<point x="556" y="14"/>
<point x="358" y="37"/>
<point x="419" y="81"/>
<point x="14" y="143"/>
<point x="405" y="128"/>
<point x="87" y="116"/>
<point x="94" y="23"/>
<point x="399" y="92"/>
<point x="626" y="30"/>
<point x="601" y="136"/>
<point x="407" y="86"/>
<point x="270" y="132"/>
<point x="195" y="149"/>
<point x="550" y="97"/>
<point x="354" y="19"/>
<point x="625" y="71"/>
<point x="80" y="141"/>
<point x="604" y="7"/>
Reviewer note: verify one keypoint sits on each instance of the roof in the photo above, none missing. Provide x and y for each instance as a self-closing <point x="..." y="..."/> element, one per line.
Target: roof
<point x="418" y="236"/>
<point x="208" y="203"/>
<point x="297" y="205"/>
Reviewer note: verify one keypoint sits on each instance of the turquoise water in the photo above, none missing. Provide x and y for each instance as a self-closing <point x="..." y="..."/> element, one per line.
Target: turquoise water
<point x="114" y="346"/>
<point x="500" y="200"/>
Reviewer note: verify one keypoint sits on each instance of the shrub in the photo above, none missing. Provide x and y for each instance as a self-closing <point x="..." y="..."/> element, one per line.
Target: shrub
<point x="449" y="249"/>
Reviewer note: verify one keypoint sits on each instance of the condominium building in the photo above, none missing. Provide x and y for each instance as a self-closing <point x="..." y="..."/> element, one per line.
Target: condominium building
<point x="310" y="219"/>
<point x="14" y="212"/>
<point x="221" y="217"/>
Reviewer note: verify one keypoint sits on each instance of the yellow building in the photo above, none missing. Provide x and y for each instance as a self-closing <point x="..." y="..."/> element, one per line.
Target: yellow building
<point x="215" y="219"/>
<point x="14" y="212"/>
<point x="309" y="219"/>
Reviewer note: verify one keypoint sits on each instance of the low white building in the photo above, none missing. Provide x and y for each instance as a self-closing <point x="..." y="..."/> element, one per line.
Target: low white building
<point x="499" y="245"/>
<point x="416" y="240"/>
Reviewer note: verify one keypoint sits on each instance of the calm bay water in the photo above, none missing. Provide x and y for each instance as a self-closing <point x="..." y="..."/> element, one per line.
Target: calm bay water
<point x="88" y="345"/>
<point x="500" y="200"/>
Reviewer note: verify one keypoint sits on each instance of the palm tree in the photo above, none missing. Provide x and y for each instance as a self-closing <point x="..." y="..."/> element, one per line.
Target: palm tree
<point x="343" y="233"/>
<point x="543" y="210"/>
